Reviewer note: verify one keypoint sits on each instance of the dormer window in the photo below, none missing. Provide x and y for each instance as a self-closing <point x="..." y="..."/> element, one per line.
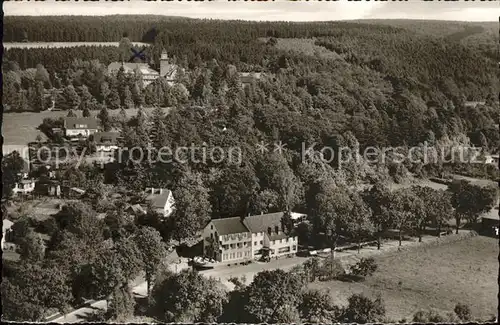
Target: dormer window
<point x="277" y="229"/>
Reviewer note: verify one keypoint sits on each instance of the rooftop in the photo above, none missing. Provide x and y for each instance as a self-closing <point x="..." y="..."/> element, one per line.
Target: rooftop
<point x="80" y="123"/>
<point x="227" y="226"/>
<point x="158" y="197"/>
<point x="261" y="222"/>
<point x="130" y="67"/>
<point x="6" y="225"/>
<point x="106" y="137"/>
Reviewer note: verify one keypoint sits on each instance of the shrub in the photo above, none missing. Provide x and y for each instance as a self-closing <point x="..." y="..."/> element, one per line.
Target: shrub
<point x="463" y="312"/>
<point x="330" y="269"/>
<point x="365" y="267"/>
<point x="312" y="268"/>
<point x="434" y="316"/>
<point x="364" y="310"/>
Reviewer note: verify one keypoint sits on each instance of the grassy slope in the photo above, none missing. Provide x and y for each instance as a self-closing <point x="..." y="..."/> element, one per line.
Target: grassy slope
<point x="438" y="277"/>
<point x="21" y="128"/>
<point x="304" y="46"/>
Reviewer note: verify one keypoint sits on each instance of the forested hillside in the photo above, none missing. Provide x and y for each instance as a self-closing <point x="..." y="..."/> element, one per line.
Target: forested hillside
<point x="386" y="84"/>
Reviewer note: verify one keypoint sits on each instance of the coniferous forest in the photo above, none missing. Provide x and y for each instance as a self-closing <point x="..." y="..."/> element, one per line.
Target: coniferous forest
<point x="332" y="84"/>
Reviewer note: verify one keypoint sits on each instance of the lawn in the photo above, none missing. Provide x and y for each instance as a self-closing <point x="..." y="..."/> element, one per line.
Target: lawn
<point x="305" y="46"/>
<point x="438" y="276"/>
<point x="28" y="45"/>
<point x="21" y="128"/>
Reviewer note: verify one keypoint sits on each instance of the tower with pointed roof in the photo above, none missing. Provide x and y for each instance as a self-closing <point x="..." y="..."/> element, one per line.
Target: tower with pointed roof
<point x="164" y="63"/>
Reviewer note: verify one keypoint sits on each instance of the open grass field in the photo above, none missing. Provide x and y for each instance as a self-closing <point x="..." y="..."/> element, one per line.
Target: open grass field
<point x="18" y="129"/>
<point x="27" y="45"/>
<point x="438" y="276"/>
<point x="305" y="46"/>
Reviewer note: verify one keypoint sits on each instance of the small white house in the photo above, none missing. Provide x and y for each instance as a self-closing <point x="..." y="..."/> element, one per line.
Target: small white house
<point x="491" y="160"/>
<point x="80" y="126"/>
<point x="6" y="230"/>
<point x="106" y="141"/>
<point x="25" y="186"/>
<point x="161" y="199"/>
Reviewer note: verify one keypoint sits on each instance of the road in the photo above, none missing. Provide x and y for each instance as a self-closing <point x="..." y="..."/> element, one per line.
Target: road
<point x="223" y="273"/>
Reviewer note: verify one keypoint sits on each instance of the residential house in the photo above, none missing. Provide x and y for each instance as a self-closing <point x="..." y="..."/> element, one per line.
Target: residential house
<point x="80" y="126"/>
<point x="106" y="141"/>
<point x="247" y="78"/>
<point x="6" y="232"/>
<point x="135" y="210"/>
<point x="472" y="104"/>
<point x="49" y="187"/>
<point x="269" y="236"/>
<point x="25" y="186"/>
<point x="148" y="74"/>
<point x="227" y="240"/>
<point x="72" y="192"/>
<point x="491" y="160"/>
<point x="238" y="239"/>
<point x="161" y="199"/>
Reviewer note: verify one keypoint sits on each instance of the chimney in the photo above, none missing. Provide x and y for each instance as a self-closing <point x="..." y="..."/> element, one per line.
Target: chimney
<point x="269" y="230"/>
<point x="152" y="190"/>
<point x="277" y="229"/>
<point x="261" y="212"/>
<point x="161" y="190"/>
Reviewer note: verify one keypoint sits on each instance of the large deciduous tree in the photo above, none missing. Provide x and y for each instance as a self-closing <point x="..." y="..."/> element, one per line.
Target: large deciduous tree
<point x="192" y="207"/>
<point x="273" y="296"/>
<point x="378" y="198"/>
<point x="152" y="251"/>
<point x="188" y="297"/>
<point x="361" y="309"/>
<point x="317" y="307"/>
<point x="470" y="200"/>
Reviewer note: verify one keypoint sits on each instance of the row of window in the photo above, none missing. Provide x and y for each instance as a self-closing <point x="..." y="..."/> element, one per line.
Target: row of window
<point x="235" y="255"/>
<point x="237" y="245"/>
<point x="274" y="242"/>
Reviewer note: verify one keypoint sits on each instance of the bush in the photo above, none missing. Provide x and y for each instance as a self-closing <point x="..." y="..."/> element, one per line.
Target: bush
<point x="365" y="267"/>
<point x="434" y="316"/>
<point x="463" y="312"/>
<point x="330" y="269"/>
<point x="364" y="310"/>
<point x="312" y="268"/>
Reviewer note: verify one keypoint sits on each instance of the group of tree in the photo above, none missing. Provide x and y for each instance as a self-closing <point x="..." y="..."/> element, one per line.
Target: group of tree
<point x="272" y="297"/>
<point x="85" y="258"/>
<point x="400" y="99"/>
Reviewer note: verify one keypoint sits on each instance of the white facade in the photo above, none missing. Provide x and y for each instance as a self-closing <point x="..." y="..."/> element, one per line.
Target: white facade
<point x="24" y="187"/>
<point x="257" y="244"/>
<point x="106" y="147"/>
<point x="79" y="132"/>
<point x="284" y="246"/>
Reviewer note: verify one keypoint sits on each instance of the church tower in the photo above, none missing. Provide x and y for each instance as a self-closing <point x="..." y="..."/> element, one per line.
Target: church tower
<point x="164" y="63"/>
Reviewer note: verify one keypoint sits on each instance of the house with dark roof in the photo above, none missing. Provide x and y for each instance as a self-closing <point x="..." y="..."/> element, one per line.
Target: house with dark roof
<point x="106" y="141"/>
<point x="6" y="232"/>
<point x="80" y="126"/>
<point x="24" y="186"/>
<point x="168" y="70"/>
<point x="247" y="78"/>
<point x="161" y="200"/>
<point x="269" y="236"/>
<point x="245" y="238"/>
<point x="227" y="240"/>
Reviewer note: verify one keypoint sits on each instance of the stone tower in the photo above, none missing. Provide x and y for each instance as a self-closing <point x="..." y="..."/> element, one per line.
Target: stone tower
<point x="164" y="63"/>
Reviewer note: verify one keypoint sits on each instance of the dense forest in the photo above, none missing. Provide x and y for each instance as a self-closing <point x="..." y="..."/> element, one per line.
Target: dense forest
<point x="341" y="85"/>
<point x="402" y="82"/>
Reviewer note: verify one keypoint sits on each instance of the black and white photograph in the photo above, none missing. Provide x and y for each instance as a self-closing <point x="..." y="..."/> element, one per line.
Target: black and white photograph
<point x="279" y="162"/>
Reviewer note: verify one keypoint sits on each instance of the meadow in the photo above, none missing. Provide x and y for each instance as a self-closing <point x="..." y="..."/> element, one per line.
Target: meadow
<point x="18" y="129"/>
<point x="304" y="46"/>
<point x="28" y="45"/>
<point x="437" y="276"/>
